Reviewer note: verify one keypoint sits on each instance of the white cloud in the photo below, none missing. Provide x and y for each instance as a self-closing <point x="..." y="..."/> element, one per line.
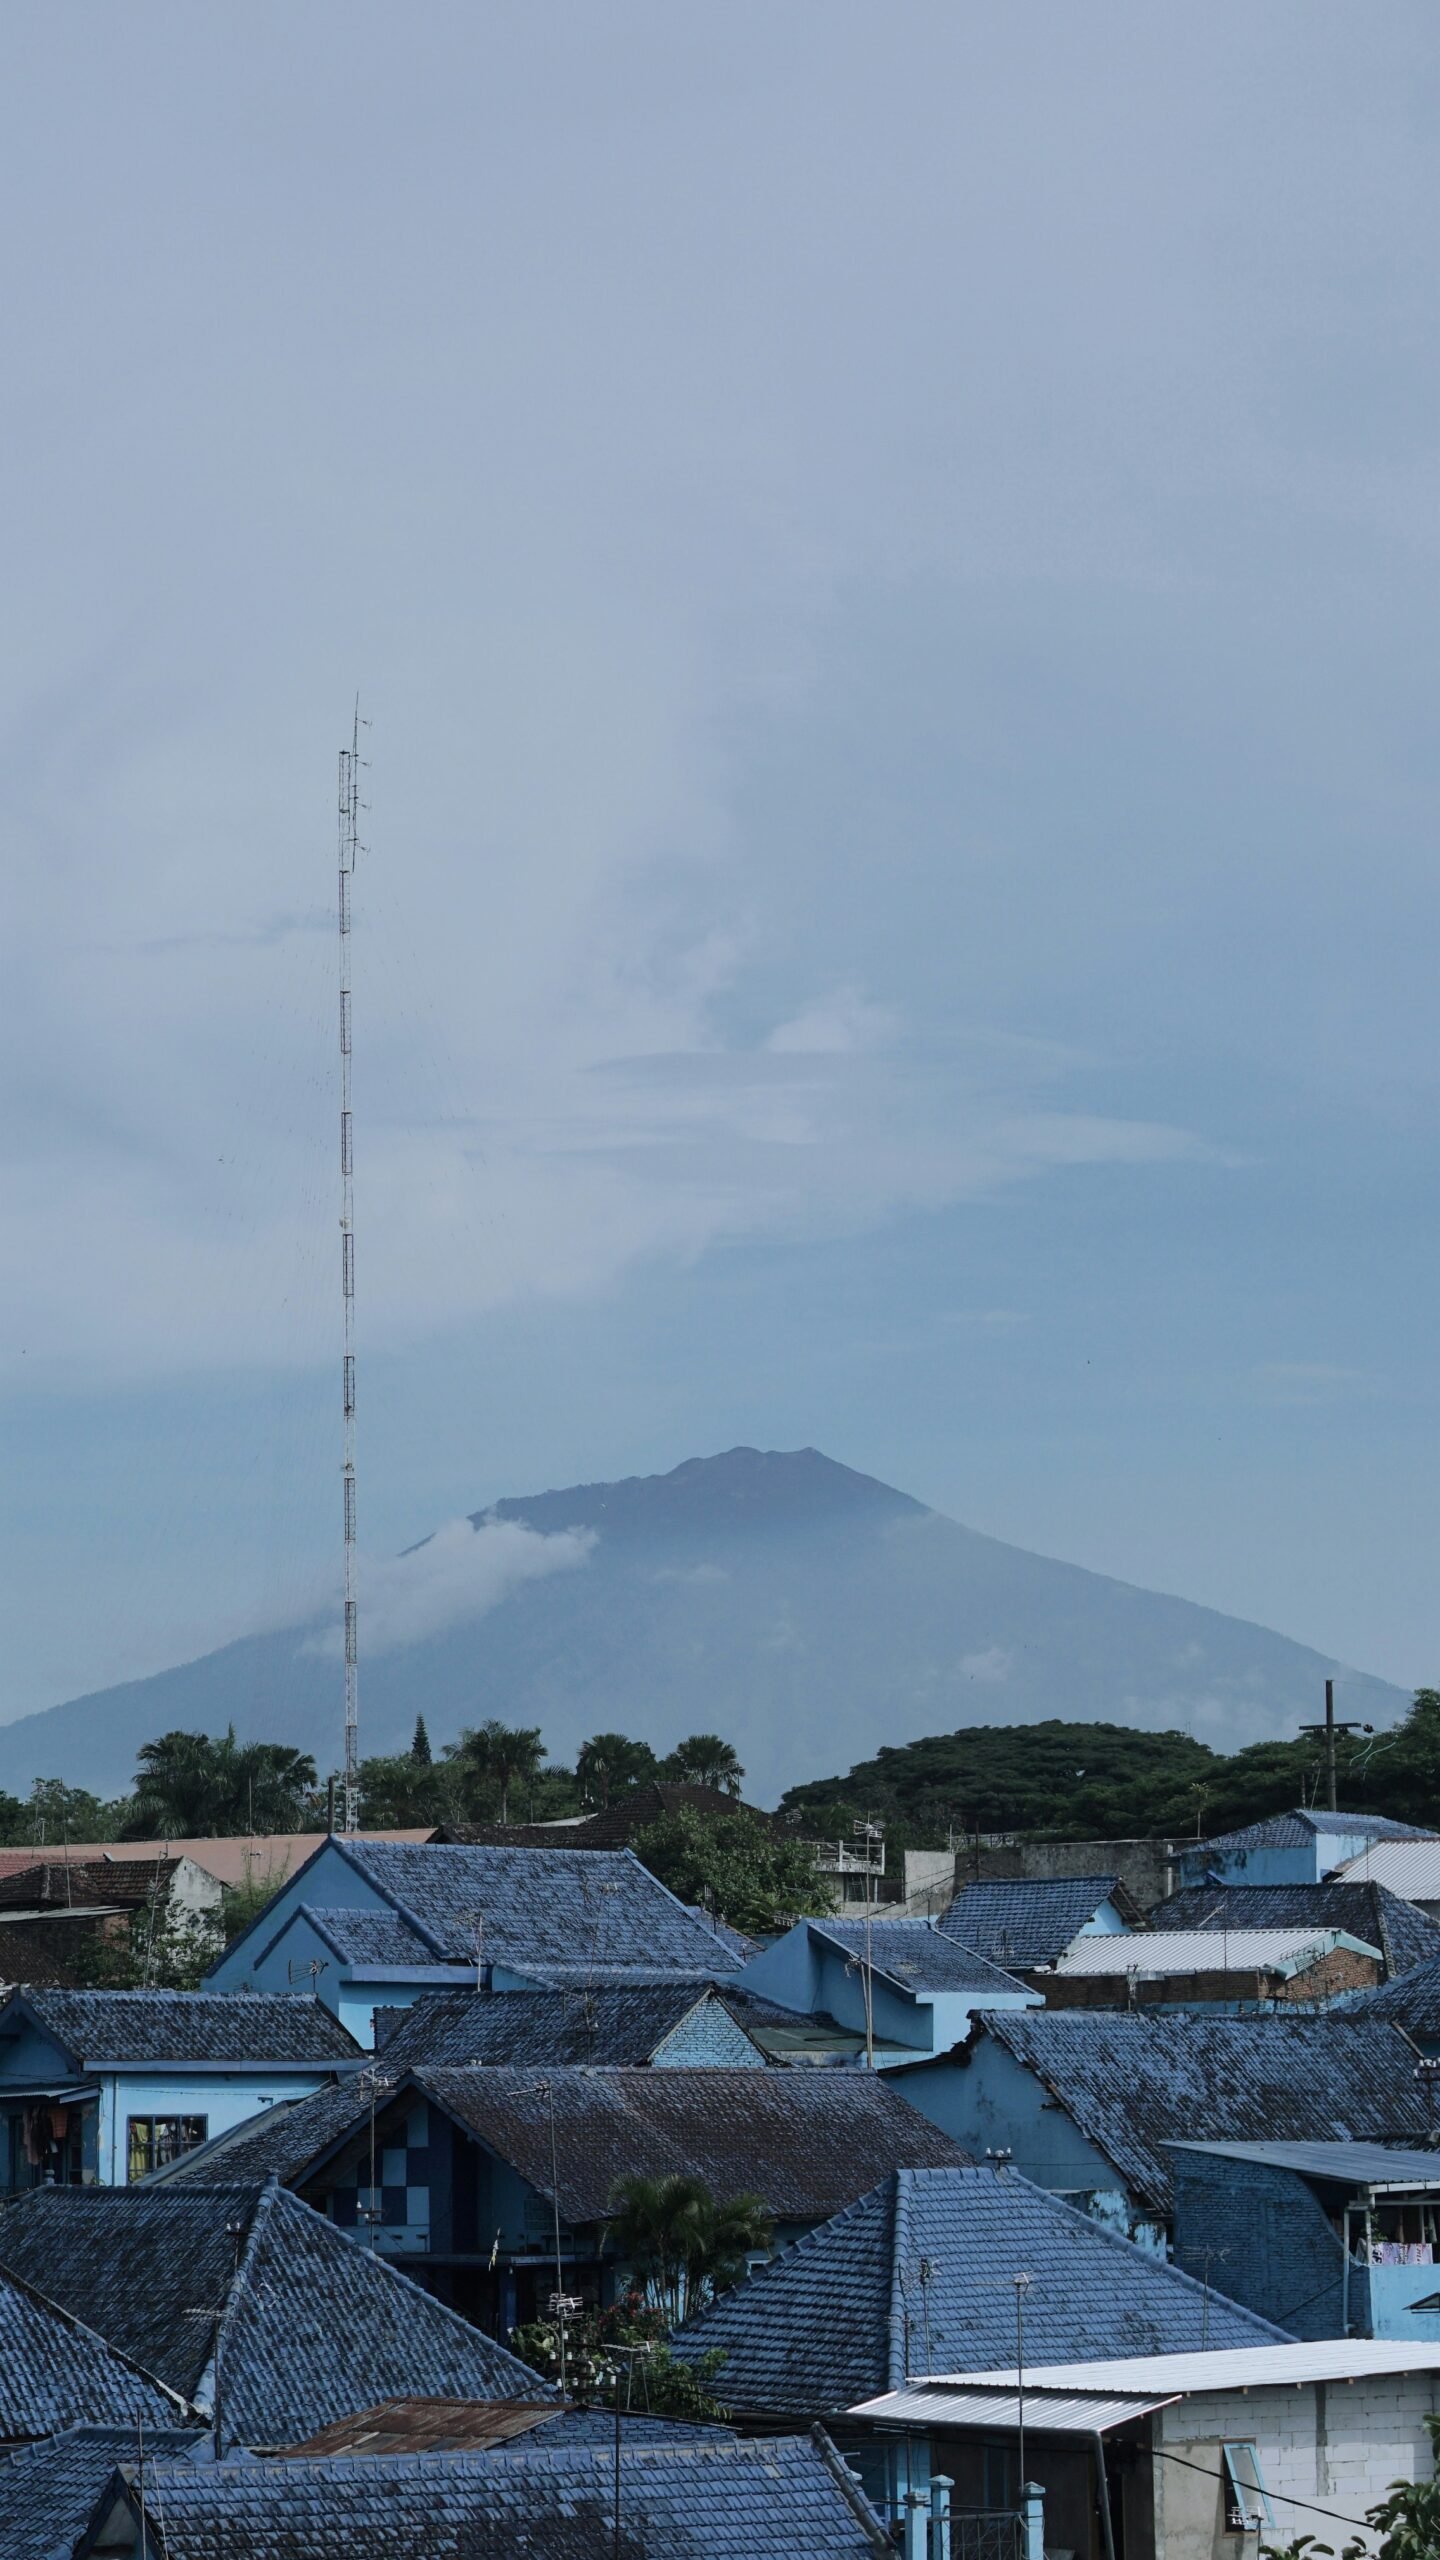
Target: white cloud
<point x="458" y="1575"/>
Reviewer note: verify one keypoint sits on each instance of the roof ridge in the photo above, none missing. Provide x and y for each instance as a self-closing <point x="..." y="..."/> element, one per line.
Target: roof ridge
<point x="72" y="2320"/>
<point x="897" y="2326"/>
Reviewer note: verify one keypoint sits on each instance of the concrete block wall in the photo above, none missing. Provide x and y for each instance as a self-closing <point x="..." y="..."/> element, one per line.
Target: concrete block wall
<point x="1336" y="2446"/>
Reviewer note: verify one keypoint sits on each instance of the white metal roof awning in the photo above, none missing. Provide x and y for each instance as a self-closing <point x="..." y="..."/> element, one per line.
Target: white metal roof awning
<point x="1059" y="2413"/>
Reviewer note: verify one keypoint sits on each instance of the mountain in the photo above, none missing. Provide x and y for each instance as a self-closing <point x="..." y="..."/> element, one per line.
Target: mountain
<point x="807" y="1612"/>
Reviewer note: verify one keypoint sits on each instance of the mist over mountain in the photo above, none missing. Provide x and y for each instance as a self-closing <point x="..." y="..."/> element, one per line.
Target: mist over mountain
<point x="807" y="1612"/>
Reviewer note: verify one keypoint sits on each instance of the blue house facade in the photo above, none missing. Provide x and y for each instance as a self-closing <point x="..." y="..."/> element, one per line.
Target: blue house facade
<point x="374" y="1923"/>
<point x="1289" y="1848"/>
<point x="907" y="1984"/>
<point x="97" y="2088"/>
<point x="1328" y="2239"/>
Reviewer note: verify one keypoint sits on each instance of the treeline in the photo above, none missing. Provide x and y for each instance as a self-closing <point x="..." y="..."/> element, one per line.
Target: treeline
<point x="1109" y="1782"/>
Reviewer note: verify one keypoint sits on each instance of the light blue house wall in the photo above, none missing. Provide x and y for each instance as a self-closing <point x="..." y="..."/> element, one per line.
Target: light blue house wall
<point x="803" y="1970"/>
<point x="993" y="2104"/>
<point x="258" y="1961"/>
<point x="1305" y="1861"/>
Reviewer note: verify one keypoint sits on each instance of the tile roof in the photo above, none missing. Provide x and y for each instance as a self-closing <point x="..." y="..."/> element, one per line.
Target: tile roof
<point x="566" y="2025"/>
<point x="276" y="2143"/>
<point x="1370" y="1912"/>
<point x="419" y="2426"/>
<point x="1411" y="2001"/>
<point x="368" y="1937"/>
<point x="1132" y="2083"/>
<point x="806" y="2141"/>
<point x="1025" y="1923"/>
<point x="914" y="2279"/>
<point x="757" y="2500"/>
<point x="187" y="2026"/>
<point x="56" y="2370"/>
<point x="313" y="2326"/>
<point x="64" y="1883"/>
<point x="585" y="1907"/>
<point x="48" y="2490"/>
<point x="916" y="1954"/>
<point x="1309" y="1822"/>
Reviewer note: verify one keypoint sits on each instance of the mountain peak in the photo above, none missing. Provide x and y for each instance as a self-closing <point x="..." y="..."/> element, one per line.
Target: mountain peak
<point x="738" y="1490"/>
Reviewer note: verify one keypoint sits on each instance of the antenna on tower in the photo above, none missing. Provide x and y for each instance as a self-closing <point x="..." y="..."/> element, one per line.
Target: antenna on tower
<point x="349" y="847"/>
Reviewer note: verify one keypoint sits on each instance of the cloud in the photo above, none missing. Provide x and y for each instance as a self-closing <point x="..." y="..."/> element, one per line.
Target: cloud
<point x="834" y="1024"/>
<point x="990" y="1667"/>
<point x="458" y="1575"/>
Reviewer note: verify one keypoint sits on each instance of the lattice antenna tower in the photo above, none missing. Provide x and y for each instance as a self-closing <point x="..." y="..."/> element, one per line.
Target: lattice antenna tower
<point x="350" y="804"/>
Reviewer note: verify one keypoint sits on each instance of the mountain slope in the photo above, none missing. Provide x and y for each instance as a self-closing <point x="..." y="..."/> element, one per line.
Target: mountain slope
<point x="807" y="1612"/>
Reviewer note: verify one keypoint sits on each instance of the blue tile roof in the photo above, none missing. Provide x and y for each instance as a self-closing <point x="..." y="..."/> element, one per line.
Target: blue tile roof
<point x="1307" y="1822"/>
<point x="914" y="2279"/>
<point x="586" y="1907"/>
<point x="916" y="1955"/>
<point x="313" y="2325"/>
<point x="1133" y="2083"/>
<point x="1411" y="2001"/>
<point x="1370" y="1912"/>
<point x="570" y="2025"/>
<point x="56" y="2370"/>
<point x="755" y="2500"/>
<point x="370" y="1936"/>
<point x="99" y="2027"/>
<point x="48" y="2490"/>
<point x="1026" y="1922"/>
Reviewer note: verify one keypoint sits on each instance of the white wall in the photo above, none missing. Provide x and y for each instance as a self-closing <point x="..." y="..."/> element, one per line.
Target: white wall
<point x="1337" y="2446"/>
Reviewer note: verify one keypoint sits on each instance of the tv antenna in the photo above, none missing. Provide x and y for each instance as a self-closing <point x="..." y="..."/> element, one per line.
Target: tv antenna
<point x="349" y="848"/>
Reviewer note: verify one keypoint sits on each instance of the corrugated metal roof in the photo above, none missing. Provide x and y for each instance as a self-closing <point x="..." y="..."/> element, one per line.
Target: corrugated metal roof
<point x="1052" y="2413"/>
<point x="1223" y="2368"/>
<point x="1163" y="1951"/>
<point x="1367" y="2164"/>
<point x="1410" y="1868"/>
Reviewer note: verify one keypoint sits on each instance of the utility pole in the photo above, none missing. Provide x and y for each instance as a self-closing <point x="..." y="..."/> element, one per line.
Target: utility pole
<point x="1329" y="1730"/>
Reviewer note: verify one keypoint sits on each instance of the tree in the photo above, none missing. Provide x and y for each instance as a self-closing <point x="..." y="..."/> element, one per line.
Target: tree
<point x="611" y="1765"/>
<point x="420" y="1748"/>
<point x="497" y="1755"/>
<point x="681" y="2245"/>
<point x="189" y="1786"/>
<point x="403" y="1793"/>
<point x="658" y="2383"/>
<point x="746" y="1871"/>
<point x="706" y="1760"/>
<point x="57" y="1813"/>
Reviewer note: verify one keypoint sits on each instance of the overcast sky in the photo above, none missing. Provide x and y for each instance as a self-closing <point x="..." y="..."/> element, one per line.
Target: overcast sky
<point x="891" y="555"/>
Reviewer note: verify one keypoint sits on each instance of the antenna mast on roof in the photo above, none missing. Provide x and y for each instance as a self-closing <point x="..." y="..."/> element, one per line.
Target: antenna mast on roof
<point x="349" y="847"/>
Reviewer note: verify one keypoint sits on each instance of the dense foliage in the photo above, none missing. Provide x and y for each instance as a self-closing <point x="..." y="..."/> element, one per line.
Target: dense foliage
<point x="742" y="1870"/>
<point x="621" y="2354"/>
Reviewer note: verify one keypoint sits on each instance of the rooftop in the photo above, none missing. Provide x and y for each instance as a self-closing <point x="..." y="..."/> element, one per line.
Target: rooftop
<point x="1348" y="2164"/>
<point x="913" y="2277"/>
<point x="1306" y="1822"/>
<point x="916" y="1955"/>
<point x="728" y="2500"/>
<point x="248" y="1858"/>
<point x="1365" y="1910"/>
<point x="429" y="2426"/>
<point x="1410" y="1867"/>
<point x="1025" y="1923"/>
<point x="1411" y="2001"/>
<point x="1163" y="1951"/>
<point x="1233" y="2368"/>
<point x="55" y="2369"/>
<point x="100" y="2027"/>
<point x="48" y="2490"/>
<point x="1132" y="2083"/>
<point x="277" y="2143"/>
<point x="312" y="2325"/>
<point x="573" y="2025"/>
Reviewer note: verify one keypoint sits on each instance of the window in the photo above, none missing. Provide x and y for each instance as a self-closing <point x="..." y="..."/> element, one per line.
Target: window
<point x="157" y="2140"/>
<point x="1247" y="2503"/>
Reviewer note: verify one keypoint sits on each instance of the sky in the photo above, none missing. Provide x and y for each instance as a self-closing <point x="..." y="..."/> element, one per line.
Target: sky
<point x="890" y="561"/>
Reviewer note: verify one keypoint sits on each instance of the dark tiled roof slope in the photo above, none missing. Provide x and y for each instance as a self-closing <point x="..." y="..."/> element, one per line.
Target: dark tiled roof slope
<point x="1404" y="1935"/>
<point x="1024" y="1923"/>
<point x="277" y="2143"/>
<point x="541" y="1906"/>
<point x="192" y="2026"/>
<point x="369" y="1937"/>
<point x="807" y="2142"/>
<point x="573" y="2025"/>
<point x="1411" y="2001"/>
<point x="916" y="1954"/>
<point x="718" y="2501"/>
<point x="48" y="2490"/>
<point x="55" y="2371"/>
<point x="1133" y="2083"/>
<point x="1292" y="1830"/>
<point x="845" y="2313"/>
<point x="314" y="2325"/>
<point x="64" y="1884"/>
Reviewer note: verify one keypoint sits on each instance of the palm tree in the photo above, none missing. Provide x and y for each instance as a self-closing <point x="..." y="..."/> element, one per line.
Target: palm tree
<point x="680" y="2244"/>
<point x="191" y="1786"/>
<point x="497" y="1754"/>
<point x="610" y="1764"/>
<point x="707" y="1760"/>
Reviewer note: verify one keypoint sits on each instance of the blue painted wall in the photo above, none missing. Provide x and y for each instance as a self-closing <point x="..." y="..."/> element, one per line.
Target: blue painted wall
<point x="708" y="2037"/>
<point x="327" y="1878"/>
<point x="992" y="2103"/>
<point x="1285" y="2258"/>
<point x="804" y="1972"/>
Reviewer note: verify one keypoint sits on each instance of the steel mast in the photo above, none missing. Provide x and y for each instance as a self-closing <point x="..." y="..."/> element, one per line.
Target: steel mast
<point x="349" y="847"/>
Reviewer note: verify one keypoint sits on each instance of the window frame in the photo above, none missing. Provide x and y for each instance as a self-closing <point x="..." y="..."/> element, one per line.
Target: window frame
<point x="1241" y="2515"/>
<point x="144" y="2131"/>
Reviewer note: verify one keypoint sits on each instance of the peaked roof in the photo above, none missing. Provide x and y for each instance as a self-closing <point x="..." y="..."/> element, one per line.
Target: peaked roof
<point x="99" y="2027"/>
<point x="915" y="1955"/>
<point x="368" y="1936"/>
<point x="805" y="2141"/>
<point x="1411" y="2001"/>
<point x="725" y="2499"/>
<point x="1023" y="1922"/>
<point x="1370" y="1912"/>
<point x="1306" y="1822"/>
<point x="572" y="2025"/>
<point x="312" y="2325"/>
<point x="1131" y="2082"/>
<point x="48" y="2490"/>
<point x="55" y="2370"/>
<point x="915" y="2278"/>
<point x="592" y="1908"/>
